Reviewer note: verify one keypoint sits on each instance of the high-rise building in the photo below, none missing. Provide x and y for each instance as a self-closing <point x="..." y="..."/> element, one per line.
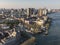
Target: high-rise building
<point x="44" y="11"/>
<point x="40" y="12"/>
<point x="12" y="12"/>
<point x="49" y="10"/>
<point x="29" y="12"/>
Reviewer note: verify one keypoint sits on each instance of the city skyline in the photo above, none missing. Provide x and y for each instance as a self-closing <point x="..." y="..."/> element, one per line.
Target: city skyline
<point x="29" y="3"/>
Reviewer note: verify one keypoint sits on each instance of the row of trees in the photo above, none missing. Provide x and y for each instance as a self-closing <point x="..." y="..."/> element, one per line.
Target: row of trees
<point x="11" y="23"/>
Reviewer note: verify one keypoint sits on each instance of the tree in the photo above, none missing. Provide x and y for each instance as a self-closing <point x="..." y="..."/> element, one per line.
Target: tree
<point x="12" y="23"/>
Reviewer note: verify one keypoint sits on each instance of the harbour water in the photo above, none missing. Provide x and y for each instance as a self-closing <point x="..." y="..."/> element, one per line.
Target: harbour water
<point x="53" y="37"/>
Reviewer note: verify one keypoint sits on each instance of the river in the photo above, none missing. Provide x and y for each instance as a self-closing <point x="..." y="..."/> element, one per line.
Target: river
<point x="53" y="37"/>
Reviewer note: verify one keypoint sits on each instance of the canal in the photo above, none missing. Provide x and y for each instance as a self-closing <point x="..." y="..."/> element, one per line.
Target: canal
<point x="53" y="37"/>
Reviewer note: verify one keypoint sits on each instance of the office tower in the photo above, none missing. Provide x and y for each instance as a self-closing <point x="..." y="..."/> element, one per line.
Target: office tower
<point x="44" y="11"/>
<point x="12" y="12"/>
<point x="40" y="12"/>
<point x="29" y="12"/>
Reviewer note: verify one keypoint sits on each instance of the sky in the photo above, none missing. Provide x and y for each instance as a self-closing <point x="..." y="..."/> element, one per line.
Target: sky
<point x="30" y="3"/>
